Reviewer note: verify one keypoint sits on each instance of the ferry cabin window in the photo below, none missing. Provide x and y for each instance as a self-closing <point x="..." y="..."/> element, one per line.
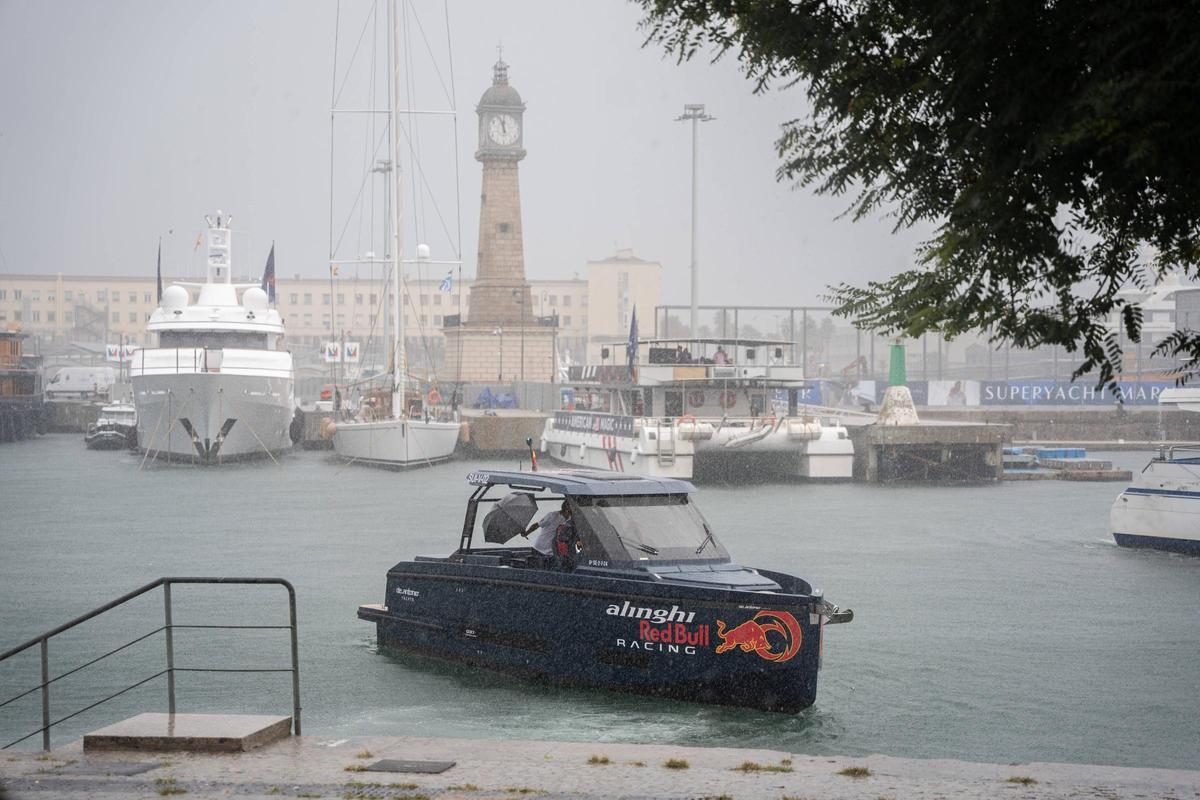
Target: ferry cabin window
<point x="648" y="527"/>
<point x="214" y="339"/>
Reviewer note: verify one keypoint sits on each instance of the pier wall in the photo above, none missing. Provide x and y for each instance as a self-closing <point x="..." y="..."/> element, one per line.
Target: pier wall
<point x="1090" y="425"/>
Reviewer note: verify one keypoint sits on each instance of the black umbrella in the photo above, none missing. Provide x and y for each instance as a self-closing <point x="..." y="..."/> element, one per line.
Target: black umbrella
<point x="509" y="518"/>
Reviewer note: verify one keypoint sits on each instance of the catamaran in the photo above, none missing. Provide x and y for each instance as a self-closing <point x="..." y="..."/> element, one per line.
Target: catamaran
<point x="699" y="406"/>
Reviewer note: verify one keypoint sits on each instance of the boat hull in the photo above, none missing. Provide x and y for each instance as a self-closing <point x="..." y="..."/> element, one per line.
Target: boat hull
<point x="213" y="417"/>
<point x="1162" y="511"/>
<point x="111" y="439"/>
<point x="396" y="444"/>
<point x="744" y="649"/>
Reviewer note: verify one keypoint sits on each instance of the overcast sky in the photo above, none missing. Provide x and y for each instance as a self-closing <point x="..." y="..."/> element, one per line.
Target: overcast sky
<point x="125" y="119"/>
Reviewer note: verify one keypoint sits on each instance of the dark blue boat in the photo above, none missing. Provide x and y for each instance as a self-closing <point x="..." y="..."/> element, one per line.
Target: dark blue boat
<point x="638" y="595"/>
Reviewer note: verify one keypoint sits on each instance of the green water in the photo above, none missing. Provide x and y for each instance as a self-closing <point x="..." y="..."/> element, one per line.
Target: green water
<point x="993" y="623"/>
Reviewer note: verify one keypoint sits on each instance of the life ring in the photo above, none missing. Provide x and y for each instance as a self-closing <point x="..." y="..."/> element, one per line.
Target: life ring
<point x="769" y="422"/>
<point x="434" y="398"/>
<point x="728" y="398"/>
<point x="695" y="398"/>
<point x="686" y="418"/>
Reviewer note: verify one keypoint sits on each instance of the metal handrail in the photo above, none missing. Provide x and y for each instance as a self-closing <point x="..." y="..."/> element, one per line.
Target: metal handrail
<point x="43" y="642"/>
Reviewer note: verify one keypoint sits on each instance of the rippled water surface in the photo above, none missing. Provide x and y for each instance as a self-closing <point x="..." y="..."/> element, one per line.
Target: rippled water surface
<point x="994" y="623"/>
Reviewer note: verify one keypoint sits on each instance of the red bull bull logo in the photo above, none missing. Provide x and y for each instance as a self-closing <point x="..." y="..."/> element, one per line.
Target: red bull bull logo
<point x="774" y="635"/>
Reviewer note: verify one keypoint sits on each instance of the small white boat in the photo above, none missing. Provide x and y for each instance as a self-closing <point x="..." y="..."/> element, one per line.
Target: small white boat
<point x="1162" y="509"/>
<point x="115" y="429"/>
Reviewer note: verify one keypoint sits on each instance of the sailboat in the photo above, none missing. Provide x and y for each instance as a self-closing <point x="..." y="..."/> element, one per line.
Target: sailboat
<point x="399" y="428"/>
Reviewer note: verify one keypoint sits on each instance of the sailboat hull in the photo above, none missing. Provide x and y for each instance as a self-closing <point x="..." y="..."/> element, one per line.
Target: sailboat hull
<point x="396" y="443"/>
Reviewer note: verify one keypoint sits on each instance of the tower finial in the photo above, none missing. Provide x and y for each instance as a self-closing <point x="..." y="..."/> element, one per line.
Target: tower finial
<point x="500" y="71"/>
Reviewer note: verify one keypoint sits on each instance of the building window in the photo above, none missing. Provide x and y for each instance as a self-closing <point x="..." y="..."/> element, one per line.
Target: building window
<point x="68" y="295"/>
<point x="133" y="317"/>
<point x="146" y="297"/>
<point x="325" y="299"/>
<point x="553" y="300"/>
<point x="49" y="316"/>
<point x="102" y="295"/>
<point x="374" y="300"/>
<point x="133" y="297"/>
<point x="50" y="297"/>
<point x="424" y="320"/>
<point x="36" y="295"/>
<point x="424" y="299"/>
<point x="437" y="320"/>
<point x="583" y="301"/>
<point x="3" y="294"/>
<point x="308" y="319"/>
<point x="358" y="299"/>
<point x="341" y="299"/>
<point x="37" y="316"/>
<point x="566" y="320"/>
<point x="308" y="299"/>
<point x="502" y="227"/>
<point x="437" y="299"/>
<point x="68" y="316"/>
<point x="116" y="316"/>
<point x="116" y="296"/>
<point x="17" y="296"/>
<point x="3" y="316"/>
<point x="17" y="314"/>
<point x="294" y="299"/>
<point x="566" y="300"/>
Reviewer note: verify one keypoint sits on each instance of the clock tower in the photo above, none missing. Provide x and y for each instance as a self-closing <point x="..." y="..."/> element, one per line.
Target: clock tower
<point x="500" y="339"/>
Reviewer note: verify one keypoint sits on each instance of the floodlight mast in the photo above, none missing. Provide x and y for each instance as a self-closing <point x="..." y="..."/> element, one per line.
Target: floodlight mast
<point x="694" y="112"/>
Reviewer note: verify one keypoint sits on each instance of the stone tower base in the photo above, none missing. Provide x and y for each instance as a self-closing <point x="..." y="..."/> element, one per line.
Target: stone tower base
<point x="479" y="348"/>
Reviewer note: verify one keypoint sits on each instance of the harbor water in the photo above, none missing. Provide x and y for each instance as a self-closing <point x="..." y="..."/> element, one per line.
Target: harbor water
<point x="992" y="623"/>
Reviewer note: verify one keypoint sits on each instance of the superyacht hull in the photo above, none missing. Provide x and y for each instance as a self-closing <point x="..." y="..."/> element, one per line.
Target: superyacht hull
<point x="396" y="443"/>
<point x="213" y="417"/>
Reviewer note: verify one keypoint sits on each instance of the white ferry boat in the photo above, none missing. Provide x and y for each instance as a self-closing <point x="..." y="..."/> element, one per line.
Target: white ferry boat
<point x="1162" y="508"/>
<point x="219" y="386"/>
<point x="731" y="407"/>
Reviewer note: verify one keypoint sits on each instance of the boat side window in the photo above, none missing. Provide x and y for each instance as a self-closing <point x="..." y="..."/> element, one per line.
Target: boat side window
<point x="648" y="528"/>
<point x="242" y="340"/>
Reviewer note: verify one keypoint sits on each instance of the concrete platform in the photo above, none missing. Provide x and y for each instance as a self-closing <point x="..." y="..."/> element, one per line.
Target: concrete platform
<point x="195" y="733"/>
<point x="933" y="452"/>
<point x="335" y="767"/>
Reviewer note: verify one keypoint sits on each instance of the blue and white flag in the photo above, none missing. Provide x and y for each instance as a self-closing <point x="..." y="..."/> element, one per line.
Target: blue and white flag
<point x="447" y="282"/>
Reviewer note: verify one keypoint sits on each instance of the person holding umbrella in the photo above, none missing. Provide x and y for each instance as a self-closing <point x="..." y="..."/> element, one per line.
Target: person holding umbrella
<point x="550" y="526"/>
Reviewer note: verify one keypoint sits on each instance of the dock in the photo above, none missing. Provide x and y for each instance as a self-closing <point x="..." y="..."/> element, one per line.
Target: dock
<point x="936" y="452"/>
<point x="339" y="766"/>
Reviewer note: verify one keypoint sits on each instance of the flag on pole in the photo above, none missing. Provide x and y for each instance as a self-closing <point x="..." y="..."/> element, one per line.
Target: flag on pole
<point x="333" y="270"/>
<point x="268" y="278"/>
<point x="160" y="270"/>
<point x="447" y="282"/>
<point x="199" y="239"/>
<point x="632" y="348"/>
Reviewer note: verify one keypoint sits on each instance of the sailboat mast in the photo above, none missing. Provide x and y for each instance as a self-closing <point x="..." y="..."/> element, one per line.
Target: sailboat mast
<point x="398" y="354"/>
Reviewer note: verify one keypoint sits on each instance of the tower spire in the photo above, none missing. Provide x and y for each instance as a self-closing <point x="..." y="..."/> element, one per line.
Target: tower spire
<point x="500" y="70"/>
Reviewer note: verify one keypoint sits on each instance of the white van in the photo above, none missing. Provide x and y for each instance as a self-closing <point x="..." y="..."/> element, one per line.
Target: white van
<point x="81" y="382"/>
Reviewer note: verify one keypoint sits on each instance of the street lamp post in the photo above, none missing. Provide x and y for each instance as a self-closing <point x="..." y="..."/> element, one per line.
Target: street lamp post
<point x="500" y="332"/>
<point x="517" y="294"/>
<point x="695" y="114"/>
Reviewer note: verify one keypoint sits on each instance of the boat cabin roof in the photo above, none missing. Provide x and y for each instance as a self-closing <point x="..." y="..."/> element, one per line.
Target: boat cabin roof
<point x="702" y="340"/>
<point x="571" y="482"/>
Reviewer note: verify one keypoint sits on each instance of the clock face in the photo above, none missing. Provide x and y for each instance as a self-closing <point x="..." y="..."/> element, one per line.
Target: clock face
<point x="503" y="129"/>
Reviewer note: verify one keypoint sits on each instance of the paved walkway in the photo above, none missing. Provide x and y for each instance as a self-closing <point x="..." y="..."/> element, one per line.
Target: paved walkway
<point x="313" y="767"/>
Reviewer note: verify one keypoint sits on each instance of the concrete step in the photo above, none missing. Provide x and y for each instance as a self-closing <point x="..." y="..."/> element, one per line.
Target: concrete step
<point x="196" y="733"/>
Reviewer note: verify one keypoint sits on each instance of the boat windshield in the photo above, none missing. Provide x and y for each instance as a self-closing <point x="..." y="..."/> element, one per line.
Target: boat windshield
<point x="666" y="527"/>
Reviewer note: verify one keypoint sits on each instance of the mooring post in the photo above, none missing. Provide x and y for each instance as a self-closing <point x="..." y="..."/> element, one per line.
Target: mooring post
<point x="45" y="695"/>
<point x="170" y="649"/>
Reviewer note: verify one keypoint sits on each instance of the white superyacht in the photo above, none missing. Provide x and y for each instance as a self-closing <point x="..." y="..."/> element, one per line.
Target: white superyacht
<point x="219" y="386"/>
